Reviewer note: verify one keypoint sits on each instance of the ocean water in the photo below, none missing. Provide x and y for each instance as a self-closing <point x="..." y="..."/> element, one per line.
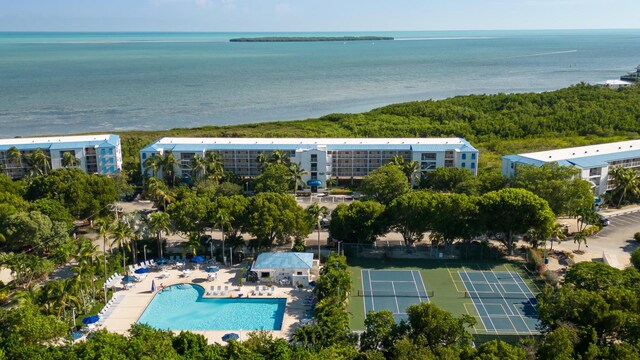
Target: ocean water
<point x="57" y="83"/>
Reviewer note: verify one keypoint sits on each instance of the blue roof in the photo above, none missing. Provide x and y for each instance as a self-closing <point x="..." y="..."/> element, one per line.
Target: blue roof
<point x="61" y="144"/>
<point x="283" y="260"/>
<point x="585" y="162"/>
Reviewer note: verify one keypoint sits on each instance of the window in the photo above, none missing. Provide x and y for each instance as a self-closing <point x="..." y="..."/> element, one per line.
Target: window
<point x="104" y="151"/>
<point x="299" y="273"/>
<point x="112" y="169"/>
<point x="473" y="156"/>
<point x="111" y="151"/>
<point x="144" y="156"/>
<point x="111" y="160"/>
<point x="104" y="169"/>
<point x="473" y="165"/>
<point x="428" y="156"/>
<point x="463" y="165"/>
<point x="314" y="157"/>
<point x="464" y="156"/>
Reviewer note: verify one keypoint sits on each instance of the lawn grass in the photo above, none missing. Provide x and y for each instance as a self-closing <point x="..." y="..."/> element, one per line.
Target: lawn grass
<point x="439" y="276"/>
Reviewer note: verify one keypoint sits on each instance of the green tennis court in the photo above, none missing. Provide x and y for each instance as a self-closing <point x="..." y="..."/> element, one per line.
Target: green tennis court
<point x="502" y="300"/>
<point x="393" y="290"/>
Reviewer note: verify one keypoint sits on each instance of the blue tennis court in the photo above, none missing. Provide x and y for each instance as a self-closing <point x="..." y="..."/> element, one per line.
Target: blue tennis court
<point x="502" y="300"/>
<point x="392" y="290"/>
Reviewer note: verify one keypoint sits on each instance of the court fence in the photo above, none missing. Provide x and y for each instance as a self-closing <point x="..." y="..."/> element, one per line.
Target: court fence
<point x="398" y="250"/>
<point x="496" y="295"/>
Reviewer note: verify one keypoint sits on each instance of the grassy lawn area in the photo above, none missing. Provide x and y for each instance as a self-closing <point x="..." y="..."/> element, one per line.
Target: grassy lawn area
<point x="439" y="276"/>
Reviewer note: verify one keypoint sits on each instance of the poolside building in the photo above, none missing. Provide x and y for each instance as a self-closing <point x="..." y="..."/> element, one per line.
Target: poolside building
<point x="94" y="154"/>
<point x="593" y="161"/>
<point x="322" y="158"/>
<point x="285" y="267"/>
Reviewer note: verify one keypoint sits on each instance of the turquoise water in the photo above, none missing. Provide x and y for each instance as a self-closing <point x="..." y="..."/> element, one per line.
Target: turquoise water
<point x="77" y="82"/>
<point x="181" y="307"/>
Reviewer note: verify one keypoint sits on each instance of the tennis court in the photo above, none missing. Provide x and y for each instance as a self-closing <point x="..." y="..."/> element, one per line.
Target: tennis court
<point x="392" y="290"/>
<point x="503" y="301"/>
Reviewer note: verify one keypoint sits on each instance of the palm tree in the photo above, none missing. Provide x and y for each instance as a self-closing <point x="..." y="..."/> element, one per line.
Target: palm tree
<point x="158" y="192"/>
<point x="214" y="167"/>
<point x="580" y="238"/>
<point x="263" y="161"/>
<point x="279" y="157"/>
<point x="15" y="156"/>
<point x="69" y="160"/>
<point x="409" y="168"/>
<point x="317" y="212"/>
<point x="627" y="182"/>
<point x="151" y="163"/>
<point x="121" y="234"/>
<point x="198" y="168"/>
<point x="103" y="230"/>
<point x="39" y="162"/>
<point x="160" y="222"/>
<point x="222" y="218"/>
<point x="168" y="165"/>
<point x="296" y="174"/>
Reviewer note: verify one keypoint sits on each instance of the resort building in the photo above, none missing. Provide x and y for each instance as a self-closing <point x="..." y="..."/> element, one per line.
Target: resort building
<point x="322" y="158"/>
<point x="93" y="154"/>
<point x="594" y="161"/>
<point x="286" y="268"/>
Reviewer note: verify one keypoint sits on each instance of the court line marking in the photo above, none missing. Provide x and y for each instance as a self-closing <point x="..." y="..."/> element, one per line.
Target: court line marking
<point x="424" y="287"/>
<point x="395" y="298"/>
<point x="364" y="302"/>
<point x="373" y="304"/>
<point x="398" y="281"/>
<point x="454" y="281"/>
<point x="528" y="299"/>
<point x="520" y="281"/>
<point x="416" y="286"/>
<point x="474" y="303"/>
<point x="504" y="300"/>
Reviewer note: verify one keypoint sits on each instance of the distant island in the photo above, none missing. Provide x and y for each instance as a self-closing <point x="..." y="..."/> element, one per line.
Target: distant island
<point x="311" y="38"/>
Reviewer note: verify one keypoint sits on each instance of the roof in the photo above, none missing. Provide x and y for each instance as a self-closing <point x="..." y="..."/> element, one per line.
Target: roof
<point x="408" y="144"/>
<point x="60" y="142"/>
<point x="584" y="156"/>
<point x="283" y="260"/>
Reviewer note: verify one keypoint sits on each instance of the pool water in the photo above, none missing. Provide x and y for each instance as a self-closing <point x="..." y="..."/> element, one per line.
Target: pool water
<point x="182" y="307"/>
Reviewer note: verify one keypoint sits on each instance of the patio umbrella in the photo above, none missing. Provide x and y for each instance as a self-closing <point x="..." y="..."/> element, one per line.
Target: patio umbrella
<point x="128" y="278"/>
<point x="91" y="319"/>
<point x="141" y="271"/>
<point x="197" y="259"/>
<point x="213" y="269"/>
<point x="162" y="261"/>
<point x="153" y="285"/>
<point x="230" y="336"/>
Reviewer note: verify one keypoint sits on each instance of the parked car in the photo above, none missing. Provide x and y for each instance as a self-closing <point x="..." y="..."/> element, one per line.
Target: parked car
<point x="603" y="220"/>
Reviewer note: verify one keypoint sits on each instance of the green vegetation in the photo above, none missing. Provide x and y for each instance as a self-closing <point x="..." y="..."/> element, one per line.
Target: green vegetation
<point x="310" y="38"/>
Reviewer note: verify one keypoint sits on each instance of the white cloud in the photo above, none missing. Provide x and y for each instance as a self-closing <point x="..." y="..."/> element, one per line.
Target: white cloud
<point x="284" y="9"/>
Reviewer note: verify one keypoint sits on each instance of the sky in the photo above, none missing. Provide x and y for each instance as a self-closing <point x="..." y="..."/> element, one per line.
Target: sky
<point x="314" y="15"/>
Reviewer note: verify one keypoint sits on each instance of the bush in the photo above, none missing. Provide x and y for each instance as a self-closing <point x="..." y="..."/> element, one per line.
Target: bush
<point x="636" y="236"/>
<point x="635" y="259"/>
<point x="551" y="277"/>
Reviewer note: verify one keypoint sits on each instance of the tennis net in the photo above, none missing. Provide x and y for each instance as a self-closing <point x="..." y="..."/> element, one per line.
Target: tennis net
<point x="495" y="295"/>
<point x="379" y="293"/>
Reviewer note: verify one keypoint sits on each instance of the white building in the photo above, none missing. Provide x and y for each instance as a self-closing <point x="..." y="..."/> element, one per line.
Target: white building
<point x="95" y="154"/>
<point x="594" y="161"/>
<point x="322" y="158"/>
<point x="284" y="267"/>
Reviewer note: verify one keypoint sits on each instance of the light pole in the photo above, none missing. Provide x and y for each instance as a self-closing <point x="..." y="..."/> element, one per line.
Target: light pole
<point x="224" y="258"/>
<point x="211" y="248"/>
<point x="318" y="224"/>
<point x="339" y="242"/>
<point x="145" y="253"/>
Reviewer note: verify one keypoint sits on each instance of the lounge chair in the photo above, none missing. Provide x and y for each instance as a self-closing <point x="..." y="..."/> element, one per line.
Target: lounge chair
<point x="226" y="289"/>
<point x="270" y="292"/>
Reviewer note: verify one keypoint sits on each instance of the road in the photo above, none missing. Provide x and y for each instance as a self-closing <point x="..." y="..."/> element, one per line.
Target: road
<point x="615" y="240"/>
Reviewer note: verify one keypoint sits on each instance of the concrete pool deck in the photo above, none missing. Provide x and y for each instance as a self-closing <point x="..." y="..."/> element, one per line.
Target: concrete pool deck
<point x="135" y="300"/>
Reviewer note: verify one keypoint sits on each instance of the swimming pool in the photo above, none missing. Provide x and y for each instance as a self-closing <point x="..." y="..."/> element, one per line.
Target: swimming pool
<point x="182" y="307"/>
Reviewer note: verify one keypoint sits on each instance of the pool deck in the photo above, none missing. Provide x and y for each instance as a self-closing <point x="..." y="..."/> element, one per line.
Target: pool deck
<point x="135" y="300"/>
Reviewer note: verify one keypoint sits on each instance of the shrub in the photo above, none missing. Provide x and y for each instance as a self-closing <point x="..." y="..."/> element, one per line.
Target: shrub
<point x="636" y="236"/>
<point x="635" y="259"/>
<point x="551" y="277"/>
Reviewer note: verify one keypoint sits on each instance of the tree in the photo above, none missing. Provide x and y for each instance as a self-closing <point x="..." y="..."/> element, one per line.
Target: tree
<point x="276" y="217"/>
<point x="221" y="218"/>
<point x="279" y="157"/>
<point x="411" y="169"/>
<point x="296" y="174"/>
<point x="559" y="185"/>
<point x="236" y="207"/>
<point x="14" y="156"/>
<point x="435" y="328"/>
<point x="508" y="213"/>
<point x="316" y="213"/>
<point x="378" y="331"/>
<point x="275" y="178"/>
<point x="168" y="164"/>
<point x="635" y="258"/>
<point x="385" y="184"/>
<point x="121" y="235"/>
<point x="580" y="238"/>
<point x="158" y="191"/>
<point x="69" y="160"/>
<point x="360" y="222"/>
<point x="626" y="183"/>
<point x="447" y="179"/>
<point x="152" y="163"/>
<point x="34" y="231"/>
<point x="190" y="213"/>
<point x="198" y="167"/>
<point x="500" y="350"/>
<point x="40" y="162"/>
<point x="159" y="222"/>
<point x="214" y="168"/>
<point x="456" y="216"/>
<point x="412" y="215"/>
